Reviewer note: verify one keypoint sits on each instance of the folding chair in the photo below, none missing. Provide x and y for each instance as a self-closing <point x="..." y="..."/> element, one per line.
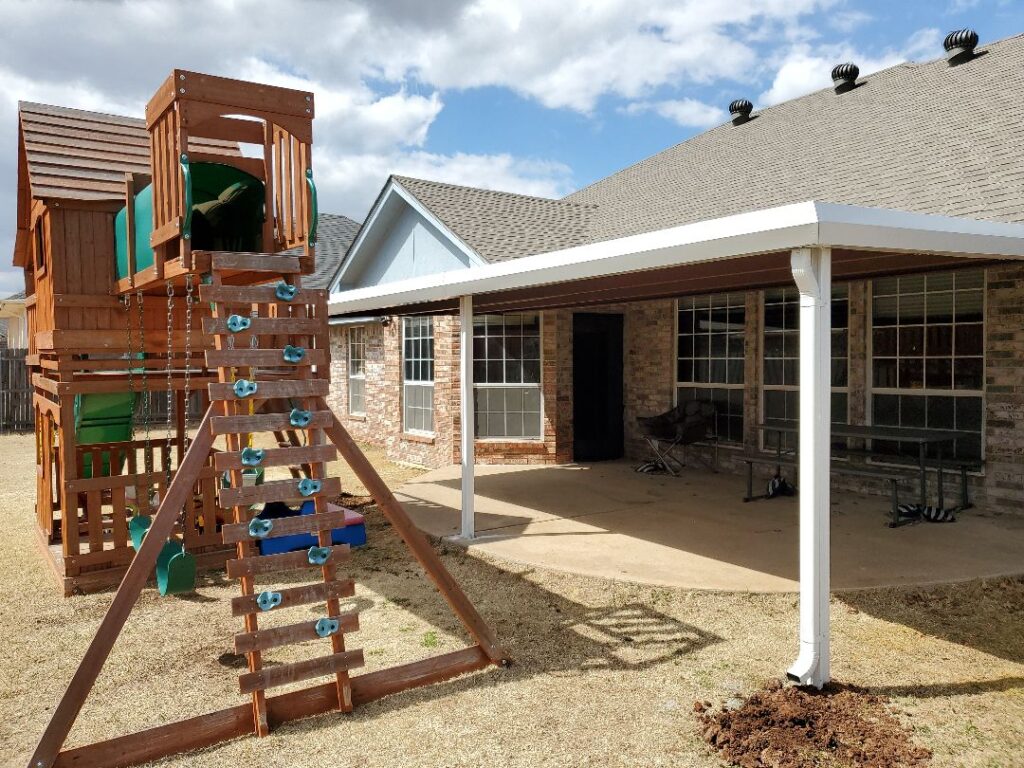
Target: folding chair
<point x="688" y="423"/>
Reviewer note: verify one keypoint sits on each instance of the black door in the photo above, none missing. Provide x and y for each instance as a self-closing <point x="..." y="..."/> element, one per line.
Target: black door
<point x="597" y="387"/>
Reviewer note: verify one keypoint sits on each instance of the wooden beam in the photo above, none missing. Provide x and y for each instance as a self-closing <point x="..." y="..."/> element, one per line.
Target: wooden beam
<point x="276" y="490"/>
<point x="258" y="294"/>
<point x="251" y="566"/>
<point x="269" y="326"/>
<point x="377" y="685"/>
<point x="290" y="634"/>
<point x="292" y="596"/>
<point x="277" y="457"/>
<point x="263" y="422"/>
<point x="246" y="358"/>
<point x="414" y="539"/>
<point x="272" y="389"/>
<point x="284" y="674"/>
<point x="135" y="578"/>
<point x="287" y="526"/>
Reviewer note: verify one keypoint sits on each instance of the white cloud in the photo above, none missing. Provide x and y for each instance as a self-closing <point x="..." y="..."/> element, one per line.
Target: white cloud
<point x="689" y="113"/>
<point x="805" y="68"/>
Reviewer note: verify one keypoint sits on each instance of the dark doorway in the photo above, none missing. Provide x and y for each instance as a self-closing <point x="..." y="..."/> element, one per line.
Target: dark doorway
<point x="597" y="387"/>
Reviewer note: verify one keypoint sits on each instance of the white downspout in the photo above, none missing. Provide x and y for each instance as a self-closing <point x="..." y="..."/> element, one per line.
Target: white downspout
<point x="467" y="433"/>
<point x="812" y="271"/>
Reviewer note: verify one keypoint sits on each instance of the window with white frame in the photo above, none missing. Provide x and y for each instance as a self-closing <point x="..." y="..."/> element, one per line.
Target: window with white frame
<point x="780" y="372"/>
<point x="927" y="356"/>
<point x="357" y="370"/>
<point x="710" y="357"/>
<point x="506" y="376"/>
<point x="418" y="375"/>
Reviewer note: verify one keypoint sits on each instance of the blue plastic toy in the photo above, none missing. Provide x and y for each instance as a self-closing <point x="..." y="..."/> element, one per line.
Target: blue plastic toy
<point x="299" y="418"/>
<point x="268" y="600"/>
<point x="318" y="555"/>
<point x="293" y="354"/>
<point x="353" y="534"/>
<point x="252" y="457"/>
<point x="238" y="323"/>
<point x="259" y="528"/>
<point x="308" y="487"/>
<point x="326" y="627"/>
<point x="285" y="292"/>
<point x="245" y="388"/>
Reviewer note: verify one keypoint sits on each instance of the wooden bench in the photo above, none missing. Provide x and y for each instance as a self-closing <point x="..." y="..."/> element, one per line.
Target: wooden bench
<point x="891" y="475"/>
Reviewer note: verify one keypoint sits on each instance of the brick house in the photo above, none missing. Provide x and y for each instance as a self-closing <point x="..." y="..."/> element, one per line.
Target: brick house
<point x="920" y="335"/>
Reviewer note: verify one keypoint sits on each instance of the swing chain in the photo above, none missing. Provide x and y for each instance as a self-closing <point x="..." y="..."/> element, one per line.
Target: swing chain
<point x="170" y="384"/>
<point x="146" y="403"/>
<point x="127" y="299"/>
<point x="189" y="300"/>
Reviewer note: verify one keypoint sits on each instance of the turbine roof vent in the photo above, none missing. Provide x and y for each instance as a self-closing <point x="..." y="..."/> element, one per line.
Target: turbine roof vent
<point x="960" y="46"/>
<point x="740" y="110"/>
<point x="844" y="77"/>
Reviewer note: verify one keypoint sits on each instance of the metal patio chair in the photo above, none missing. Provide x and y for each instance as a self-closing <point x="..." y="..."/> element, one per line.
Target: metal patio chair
<point x="686" y="424"/>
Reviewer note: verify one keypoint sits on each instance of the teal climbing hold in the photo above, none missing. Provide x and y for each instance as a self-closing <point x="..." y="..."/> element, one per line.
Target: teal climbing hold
<point x="244" y="388"/>
<point x="300" y="418"/>
<point x="252" y="457"/>
<point x="318" y="555"/>
<point x="293" y="354"/>
<point x="137" y="528"/>
<point x="268" y="600"/>
<point x="326" y="627"/>
<point x="238" y="323"/>
<point x="308" y="487"/>
<point x="260" y="528"/>
<point x="284" y="291"/>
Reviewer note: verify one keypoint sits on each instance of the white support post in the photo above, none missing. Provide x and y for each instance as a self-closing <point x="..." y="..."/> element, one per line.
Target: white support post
<point x="812" y="271"/>
<point x="467" y="418"/>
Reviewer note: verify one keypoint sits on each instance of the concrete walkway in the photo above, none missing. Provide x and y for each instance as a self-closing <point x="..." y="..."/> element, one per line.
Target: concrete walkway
<point x="694" y="531"/>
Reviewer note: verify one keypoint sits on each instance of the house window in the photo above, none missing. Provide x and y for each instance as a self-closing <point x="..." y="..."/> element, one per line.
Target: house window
<point x="927" y="356"/>
<point x="781" y="357"/>
<point x="357" y="370"/>
<point x="418" y="375"/>
<point x="710" y="357"/>
<point x="506" y="376"/>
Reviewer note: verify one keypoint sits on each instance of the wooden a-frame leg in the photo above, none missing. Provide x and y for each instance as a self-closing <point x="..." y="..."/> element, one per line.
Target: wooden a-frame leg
<point x="134" y="580"/>
<point x="414" y="539"/>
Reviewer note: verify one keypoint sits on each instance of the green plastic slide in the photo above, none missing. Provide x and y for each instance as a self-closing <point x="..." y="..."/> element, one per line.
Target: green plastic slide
<point x="103" y="418"/>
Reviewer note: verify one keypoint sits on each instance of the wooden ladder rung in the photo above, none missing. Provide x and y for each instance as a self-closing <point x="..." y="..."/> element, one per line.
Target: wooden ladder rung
<point x="286" y="561"/>
<point x="243" y="605"/>
<point x="290" y="634"/>
<point x="264" y="422"/>
<point x="276" y="490"/>
<point x="302" y="670"/>
<point x="268" y="326"/>
<point x="227" y="358"/>
<point x="273" y="389"/>
<point x="287" y="526"/>
<point x="258" y="294"/>
<point x="285" y="456"/>
<point x="251" y="262"/>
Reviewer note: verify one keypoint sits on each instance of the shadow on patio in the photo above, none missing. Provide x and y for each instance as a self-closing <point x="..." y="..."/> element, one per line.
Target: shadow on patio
<point x="694" y="531"/>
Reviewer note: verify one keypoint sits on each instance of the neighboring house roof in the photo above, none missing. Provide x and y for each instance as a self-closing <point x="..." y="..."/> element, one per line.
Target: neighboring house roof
<point x="334" y="234"/>
<point x="19" y="296"/>
<point x="502" y="225"/>
<point x="80" y="155"/>
<point x="917" y="137"/>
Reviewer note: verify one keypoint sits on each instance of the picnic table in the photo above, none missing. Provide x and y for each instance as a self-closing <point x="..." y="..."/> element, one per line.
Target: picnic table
<point x="916" y="435"/>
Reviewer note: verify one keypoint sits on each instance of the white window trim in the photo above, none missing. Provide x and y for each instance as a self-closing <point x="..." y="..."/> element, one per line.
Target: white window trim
<point x="405" y="382"/>
<point x="356" y="376"/>
<point x="871" y="390"/>
<point x="701" y="385"/>
<point x="762" y="441"/>
<point x="540" y="385"/>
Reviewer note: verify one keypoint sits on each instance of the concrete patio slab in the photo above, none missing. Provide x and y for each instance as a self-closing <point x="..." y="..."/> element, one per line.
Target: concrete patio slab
<point x="694" y="531"/>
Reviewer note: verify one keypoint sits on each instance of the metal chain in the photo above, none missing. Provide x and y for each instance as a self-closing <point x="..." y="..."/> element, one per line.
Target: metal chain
<point x="170" y="384"/>
<point x="189" y="301"/>
<point x="147" y="411"/>
<point x="131" y="360"/>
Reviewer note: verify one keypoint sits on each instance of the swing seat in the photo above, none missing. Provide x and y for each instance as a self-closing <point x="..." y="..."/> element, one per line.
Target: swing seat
<point x="175" y="569"/>
<point x="137" y="528"/>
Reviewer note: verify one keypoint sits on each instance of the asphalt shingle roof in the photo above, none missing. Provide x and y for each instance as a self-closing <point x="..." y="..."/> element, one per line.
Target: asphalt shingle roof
<point x="918" y="137"/>
<point x="503" y="225"/>
<point x="334" y="235"/>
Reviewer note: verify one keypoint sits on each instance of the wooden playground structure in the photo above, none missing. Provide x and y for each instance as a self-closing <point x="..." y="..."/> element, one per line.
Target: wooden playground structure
<point x="153" y="270"/>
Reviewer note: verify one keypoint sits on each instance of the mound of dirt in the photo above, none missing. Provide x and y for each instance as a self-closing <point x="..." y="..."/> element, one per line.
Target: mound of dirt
<point x="790" y="727"/>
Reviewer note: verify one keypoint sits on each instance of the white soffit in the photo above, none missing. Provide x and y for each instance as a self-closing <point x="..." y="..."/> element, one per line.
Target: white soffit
<point x="771" y="229"/>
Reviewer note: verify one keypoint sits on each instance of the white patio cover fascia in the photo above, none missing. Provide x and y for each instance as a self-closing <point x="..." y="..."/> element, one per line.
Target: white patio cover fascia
<point x="809" y="231"/>
<point x="799" y="225"/>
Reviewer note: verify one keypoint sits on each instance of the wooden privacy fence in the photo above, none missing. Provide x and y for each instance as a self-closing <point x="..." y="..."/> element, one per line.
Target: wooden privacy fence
<point x="15" y="392"/>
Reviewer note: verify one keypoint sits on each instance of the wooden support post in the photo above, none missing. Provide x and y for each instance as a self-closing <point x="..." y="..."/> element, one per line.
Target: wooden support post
<point x="415" y="540"/>
<point x="127" y="593"/>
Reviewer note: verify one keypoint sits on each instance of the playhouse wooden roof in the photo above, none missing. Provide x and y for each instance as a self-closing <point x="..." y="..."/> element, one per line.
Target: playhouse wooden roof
<point x="74" y="154"/>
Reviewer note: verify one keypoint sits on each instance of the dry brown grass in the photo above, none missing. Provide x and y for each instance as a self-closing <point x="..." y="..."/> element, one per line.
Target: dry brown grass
<point x="606" y="673"/>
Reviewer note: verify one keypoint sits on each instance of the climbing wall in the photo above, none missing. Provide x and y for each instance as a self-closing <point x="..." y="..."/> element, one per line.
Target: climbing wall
<point x="267" y="341"/>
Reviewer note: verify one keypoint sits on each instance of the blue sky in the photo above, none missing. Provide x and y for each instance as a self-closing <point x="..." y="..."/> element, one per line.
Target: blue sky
<point x="522" y="95"/>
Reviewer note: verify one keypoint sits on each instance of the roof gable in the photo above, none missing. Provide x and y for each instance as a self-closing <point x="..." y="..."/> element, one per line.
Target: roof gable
<point x="335" y="234"/>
